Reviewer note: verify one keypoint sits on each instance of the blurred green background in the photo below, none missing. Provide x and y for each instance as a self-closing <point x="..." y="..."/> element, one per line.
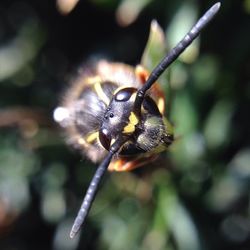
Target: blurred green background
<point x="196" y="196"/>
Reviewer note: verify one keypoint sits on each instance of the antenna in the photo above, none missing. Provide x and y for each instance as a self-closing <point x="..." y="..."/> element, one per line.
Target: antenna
<point x="166" y="61"/>
<point x="94" y="185"/>
<point x="174" y="53"/>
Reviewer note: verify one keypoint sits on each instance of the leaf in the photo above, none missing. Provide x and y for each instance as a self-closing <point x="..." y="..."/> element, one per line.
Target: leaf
<point x="129" y="10"/>
<point x="155" y="48"/>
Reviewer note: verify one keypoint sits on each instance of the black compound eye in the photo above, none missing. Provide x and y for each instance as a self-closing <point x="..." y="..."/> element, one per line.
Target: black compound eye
<point x="104" y="138"/>
<point x="124" y="95"/>
<point x="111" y="115"/>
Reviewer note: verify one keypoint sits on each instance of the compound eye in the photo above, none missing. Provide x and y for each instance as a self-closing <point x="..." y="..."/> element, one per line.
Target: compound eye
<point x="124" y="95"/>
<point x="104" y="138"/>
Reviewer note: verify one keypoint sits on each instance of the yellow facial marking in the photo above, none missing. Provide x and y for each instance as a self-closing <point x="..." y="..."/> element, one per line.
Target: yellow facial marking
<point x="92" y="137"/>
<point x="100" y="93"/>
<point x="161" y="105"/>
<point x="130" y="128"/>
<point x="133" y="119"/>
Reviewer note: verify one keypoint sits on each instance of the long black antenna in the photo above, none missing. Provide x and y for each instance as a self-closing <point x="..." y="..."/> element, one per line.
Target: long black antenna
<point x="167" y="60"/>
<point x="93" y="187"/>
<point x="174" y="53"/>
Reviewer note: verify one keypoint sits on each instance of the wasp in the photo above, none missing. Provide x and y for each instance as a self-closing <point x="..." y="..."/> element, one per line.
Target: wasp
<point x="114" y="113"/>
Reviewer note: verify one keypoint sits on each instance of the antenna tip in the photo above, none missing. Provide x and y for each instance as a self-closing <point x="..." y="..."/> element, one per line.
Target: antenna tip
<point x="216" y="6"/>
<point x="72" y="235"/>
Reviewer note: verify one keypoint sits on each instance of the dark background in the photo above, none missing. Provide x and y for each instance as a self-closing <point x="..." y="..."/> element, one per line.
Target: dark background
<point x="196" y="196"/>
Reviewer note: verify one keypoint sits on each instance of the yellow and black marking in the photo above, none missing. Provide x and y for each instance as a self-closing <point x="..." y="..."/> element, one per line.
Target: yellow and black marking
<point x="133" y="121"/>
<point x="99" y="90"/>
<point x="92" y="137"/>
<point x="93" y="94"/>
